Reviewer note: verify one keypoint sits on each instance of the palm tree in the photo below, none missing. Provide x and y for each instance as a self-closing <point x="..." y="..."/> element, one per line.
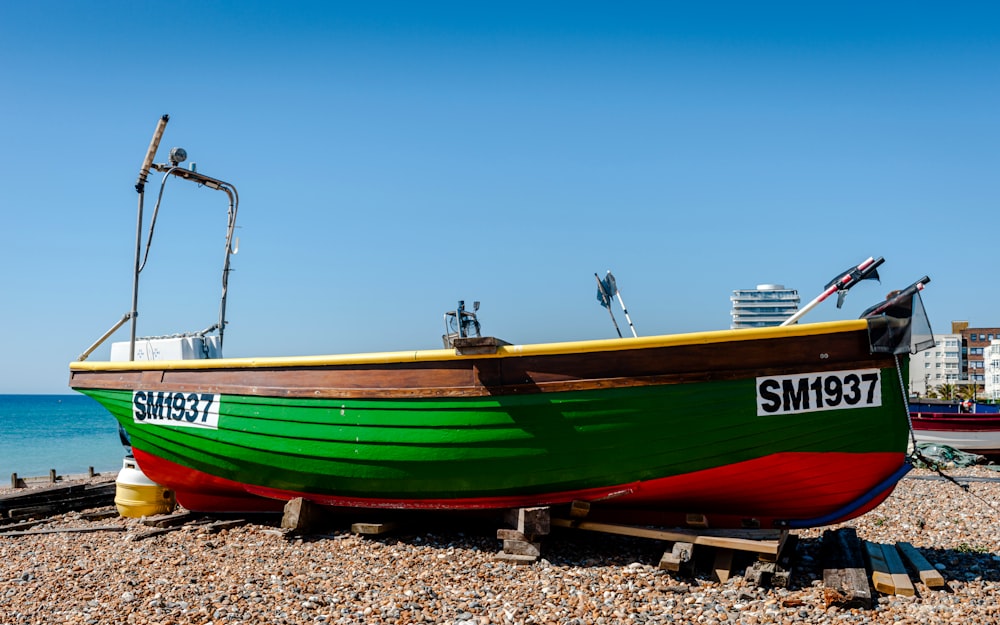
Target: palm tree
<point x="969" y="391"/>
<point x="947" y="391"/>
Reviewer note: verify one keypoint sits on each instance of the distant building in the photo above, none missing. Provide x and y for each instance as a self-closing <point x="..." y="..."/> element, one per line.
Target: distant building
<point x="974" y="343"/>
<point x="991" y="370"/>
<point x="767" y="305"/>
<point x="941" y="364"/>
<point x="966" y="356"/>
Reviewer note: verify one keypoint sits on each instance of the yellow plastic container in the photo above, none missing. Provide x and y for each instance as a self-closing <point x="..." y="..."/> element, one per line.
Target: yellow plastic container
<point x="137" y="496"/>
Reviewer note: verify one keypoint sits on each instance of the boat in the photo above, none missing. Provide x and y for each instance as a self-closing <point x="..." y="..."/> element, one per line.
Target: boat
<point x="967" y="426"/>
<point x="779" y="427"/>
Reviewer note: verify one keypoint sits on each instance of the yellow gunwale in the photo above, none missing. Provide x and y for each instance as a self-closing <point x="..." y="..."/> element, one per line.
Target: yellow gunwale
<point x="505" y="351"/>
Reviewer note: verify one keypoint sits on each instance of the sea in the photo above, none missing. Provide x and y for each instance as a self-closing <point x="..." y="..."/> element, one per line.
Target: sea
<point x="68" y="433"/>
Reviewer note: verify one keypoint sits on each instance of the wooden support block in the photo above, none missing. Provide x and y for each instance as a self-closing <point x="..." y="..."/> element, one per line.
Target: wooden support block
<point x="52" y="476"/>
<point x="888" y="573"/>
<point x="372" y="529"/>
<point x="513" y="558"/>
<point x="787" y="545"/>
<point x="723" y="565"/>
<point x="522" y="548"/>
<point x="845" y="578"/>
<point x="696" y="520"/>
<point x="302" y="516"/>
<point x="530" y="521"/>
<point x="759" y="574"/>
<point x="928" y="574"/>
<point x="579" y="509"/>
<point x="679" y="555"/>
<point x="509" y="534"/>
<point x="784" y="560"/>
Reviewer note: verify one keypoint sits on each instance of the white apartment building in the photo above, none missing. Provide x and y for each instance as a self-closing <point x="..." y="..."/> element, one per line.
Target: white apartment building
<point x="991" y="369"/>
<point x="941" y="364"/>
<point x="767" y="305"/>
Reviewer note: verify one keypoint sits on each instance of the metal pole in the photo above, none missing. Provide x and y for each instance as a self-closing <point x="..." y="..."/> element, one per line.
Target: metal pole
<point x="625" y="310"/>
<point x="135" y="280"/>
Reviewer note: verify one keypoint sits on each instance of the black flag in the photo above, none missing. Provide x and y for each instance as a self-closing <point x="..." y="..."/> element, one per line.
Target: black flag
<point x="606" y="289"/>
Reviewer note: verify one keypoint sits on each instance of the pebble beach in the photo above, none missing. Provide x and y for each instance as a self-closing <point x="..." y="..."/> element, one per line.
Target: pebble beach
<point x="446" y="572"/>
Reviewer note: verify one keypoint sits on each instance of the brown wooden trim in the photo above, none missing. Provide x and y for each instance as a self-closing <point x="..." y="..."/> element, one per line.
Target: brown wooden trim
<point x="513" y="375"/>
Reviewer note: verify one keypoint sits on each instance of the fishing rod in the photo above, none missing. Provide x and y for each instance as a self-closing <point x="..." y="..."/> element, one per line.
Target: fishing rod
<point x="866" y="270"/>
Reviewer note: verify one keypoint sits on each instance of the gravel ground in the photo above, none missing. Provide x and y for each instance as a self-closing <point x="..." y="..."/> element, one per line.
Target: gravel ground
<point x="446" y="573"/>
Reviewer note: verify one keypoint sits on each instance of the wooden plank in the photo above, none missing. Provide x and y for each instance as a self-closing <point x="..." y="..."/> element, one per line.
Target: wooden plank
<point x="39" y="495"/>
<point x="888" y="573"/>
<point x="929" y="575"/>
<point x="13" y="526"/>
<point x="165" y="530"/>
<point x="100" y="515"/>
<point x="224" y="524"/>
<point x="68" y="530"/>
<point x="845" y="578"/>
<point x="78" y="501"/>
<point x="169" y="520"/>
<point x="723" y="565"/>
<point x="740" y="540"/>
<point x="373" y="529"/>
<point x="900" y="578"/>
<point x="880" y="569"/>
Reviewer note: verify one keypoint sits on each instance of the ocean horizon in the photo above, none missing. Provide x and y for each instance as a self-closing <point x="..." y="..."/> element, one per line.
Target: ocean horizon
<point x="69" y="433"/>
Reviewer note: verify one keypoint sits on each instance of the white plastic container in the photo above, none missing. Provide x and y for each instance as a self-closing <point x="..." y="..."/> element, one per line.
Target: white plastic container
<point x="176" y="348"/>
<point x="137" y="496"/>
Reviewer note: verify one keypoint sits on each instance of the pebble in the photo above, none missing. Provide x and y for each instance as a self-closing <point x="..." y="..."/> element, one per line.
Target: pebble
<point x="253" y="574"/>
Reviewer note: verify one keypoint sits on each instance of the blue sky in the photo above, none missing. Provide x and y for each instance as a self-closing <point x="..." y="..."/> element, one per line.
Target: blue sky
<point x="393" y="158"/>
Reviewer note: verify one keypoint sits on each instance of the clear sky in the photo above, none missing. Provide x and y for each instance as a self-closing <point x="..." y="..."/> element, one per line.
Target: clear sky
<point x="395" y="157"/>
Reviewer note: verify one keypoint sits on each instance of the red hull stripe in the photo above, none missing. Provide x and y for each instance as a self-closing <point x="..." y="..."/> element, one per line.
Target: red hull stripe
<point x="785" y="486"/>
<point x="946" y="422"/>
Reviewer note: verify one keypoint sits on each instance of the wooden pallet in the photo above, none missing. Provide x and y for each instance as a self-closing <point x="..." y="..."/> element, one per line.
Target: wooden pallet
<point x="521" y="544"/>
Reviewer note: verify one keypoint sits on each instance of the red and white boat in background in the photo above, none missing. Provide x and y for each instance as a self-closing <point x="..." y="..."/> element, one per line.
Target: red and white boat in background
<point x="966" y="426"/>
